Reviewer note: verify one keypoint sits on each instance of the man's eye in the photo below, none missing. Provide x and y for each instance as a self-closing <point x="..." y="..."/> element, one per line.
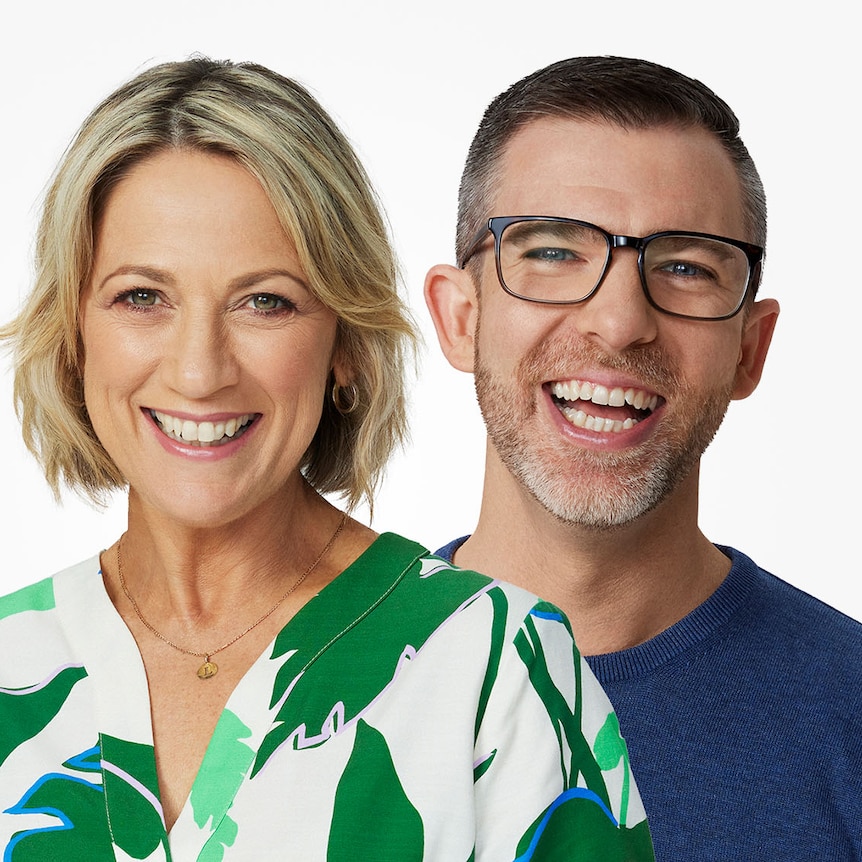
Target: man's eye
<point x="680" y="268"/>
<point x="550" y="254"/>
<point x="685" y="269"/>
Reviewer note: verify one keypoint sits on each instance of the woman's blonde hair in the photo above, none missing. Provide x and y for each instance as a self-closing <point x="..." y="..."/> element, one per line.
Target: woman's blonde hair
<point x="276" y="130"/>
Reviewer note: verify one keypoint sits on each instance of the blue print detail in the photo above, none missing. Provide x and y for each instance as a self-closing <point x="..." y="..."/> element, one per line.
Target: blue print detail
<point x="566" y="796"/>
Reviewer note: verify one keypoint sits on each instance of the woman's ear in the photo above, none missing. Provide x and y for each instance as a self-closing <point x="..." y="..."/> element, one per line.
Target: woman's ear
<point x="341" y="364"/>
<point x="451" y="298"/>
<point x="756" y="337"/>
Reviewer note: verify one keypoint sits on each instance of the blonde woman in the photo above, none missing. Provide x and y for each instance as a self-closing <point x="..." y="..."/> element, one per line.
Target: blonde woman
<point x="249" y="673"/>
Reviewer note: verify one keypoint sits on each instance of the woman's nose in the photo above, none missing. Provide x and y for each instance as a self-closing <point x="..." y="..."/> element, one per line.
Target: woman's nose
<point x="199" y="360"/>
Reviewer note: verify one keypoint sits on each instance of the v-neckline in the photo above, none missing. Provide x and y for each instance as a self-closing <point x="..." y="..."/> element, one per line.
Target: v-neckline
<point x="122" y="703"/>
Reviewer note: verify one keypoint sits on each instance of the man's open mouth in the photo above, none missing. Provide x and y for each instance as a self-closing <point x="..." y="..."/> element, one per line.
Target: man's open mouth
<point x="597" y="408"/>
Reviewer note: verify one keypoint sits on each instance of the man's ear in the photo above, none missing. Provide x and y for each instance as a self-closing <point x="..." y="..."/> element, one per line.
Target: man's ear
<point x="756" y="337"/>
<point x="451" y="298"/>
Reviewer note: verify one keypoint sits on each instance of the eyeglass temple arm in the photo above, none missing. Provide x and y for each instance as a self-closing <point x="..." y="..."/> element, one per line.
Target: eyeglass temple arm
<point x="477" y="240"/>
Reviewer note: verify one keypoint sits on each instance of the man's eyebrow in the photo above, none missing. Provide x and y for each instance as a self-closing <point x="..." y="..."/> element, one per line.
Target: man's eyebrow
<point x="563" y="229"/>
<point x="680" y="243"/>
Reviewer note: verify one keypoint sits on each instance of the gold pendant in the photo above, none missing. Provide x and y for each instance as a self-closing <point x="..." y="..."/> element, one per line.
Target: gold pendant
<point x="208" y="669"/>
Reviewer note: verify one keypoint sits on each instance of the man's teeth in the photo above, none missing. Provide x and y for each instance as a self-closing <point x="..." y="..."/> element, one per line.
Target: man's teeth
<point x="576" y="390"/>
<point x="201" y="432"/>
<point x="595" y="423"/>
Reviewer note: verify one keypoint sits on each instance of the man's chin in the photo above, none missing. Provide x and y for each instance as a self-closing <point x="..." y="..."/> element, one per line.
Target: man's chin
<point x="604" y="507"/>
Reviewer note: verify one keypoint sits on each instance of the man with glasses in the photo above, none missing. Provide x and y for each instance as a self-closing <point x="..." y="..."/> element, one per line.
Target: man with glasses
<point x="610" y="240"/>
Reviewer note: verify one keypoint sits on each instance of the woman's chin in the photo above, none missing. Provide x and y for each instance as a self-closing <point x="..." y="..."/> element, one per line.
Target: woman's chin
<point x="203" y="507"/>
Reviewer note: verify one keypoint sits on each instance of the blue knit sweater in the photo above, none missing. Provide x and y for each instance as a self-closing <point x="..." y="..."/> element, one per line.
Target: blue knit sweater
<point x="744" y="725"/>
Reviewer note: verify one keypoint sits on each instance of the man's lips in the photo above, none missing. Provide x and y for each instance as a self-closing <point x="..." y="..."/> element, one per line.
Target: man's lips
<point x="596" y="407"/>
<point x="203" y="433"/>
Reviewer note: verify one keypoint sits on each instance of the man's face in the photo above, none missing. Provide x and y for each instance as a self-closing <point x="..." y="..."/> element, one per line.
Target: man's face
<point x="601" y="409"/>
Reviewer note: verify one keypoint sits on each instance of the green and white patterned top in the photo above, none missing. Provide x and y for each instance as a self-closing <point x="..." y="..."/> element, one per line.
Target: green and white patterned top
<point x="410" y="711"/>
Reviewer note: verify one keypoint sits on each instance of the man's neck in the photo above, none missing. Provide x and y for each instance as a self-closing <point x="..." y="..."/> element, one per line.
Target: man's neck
<point x="619" y="587"/>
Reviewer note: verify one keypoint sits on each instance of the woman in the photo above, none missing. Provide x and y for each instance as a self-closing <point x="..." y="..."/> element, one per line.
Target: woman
<point x="248" y="673"/>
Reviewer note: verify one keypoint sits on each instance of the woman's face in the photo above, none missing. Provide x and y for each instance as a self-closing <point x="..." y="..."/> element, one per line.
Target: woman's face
<point x="206" y="356"/>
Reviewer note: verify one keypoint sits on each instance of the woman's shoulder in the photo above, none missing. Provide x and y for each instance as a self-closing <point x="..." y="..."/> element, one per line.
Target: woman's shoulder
<point x="433" y="573"/>
<point x="41" y="596"/>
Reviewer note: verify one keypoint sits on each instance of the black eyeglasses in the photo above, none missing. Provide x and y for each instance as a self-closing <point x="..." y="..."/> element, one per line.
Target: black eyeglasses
<point x="561" y="261"/>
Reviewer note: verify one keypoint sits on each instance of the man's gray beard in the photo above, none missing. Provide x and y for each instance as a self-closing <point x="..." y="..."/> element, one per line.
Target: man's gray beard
<point x="598" y="490"/>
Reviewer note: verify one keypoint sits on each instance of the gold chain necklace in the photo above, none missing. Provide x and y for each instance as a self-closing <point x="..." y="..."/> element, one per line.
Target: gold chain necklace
<point x="209" y="668"/>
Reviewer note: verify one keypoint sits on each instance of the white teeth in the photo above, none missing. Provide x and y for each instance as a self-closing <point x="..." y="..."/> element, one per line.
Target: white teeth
<point x="580" y="419"/>
<point x="206" y="432"/>
<point x="575" y="390"/>
<point x="203" y="433"/>
<point x="600" y="395"/>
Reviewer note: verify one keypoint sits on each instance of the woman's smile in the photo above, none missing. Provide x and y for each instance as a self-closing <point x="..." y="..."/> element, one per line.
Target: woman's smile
<point x="206" y="432"/>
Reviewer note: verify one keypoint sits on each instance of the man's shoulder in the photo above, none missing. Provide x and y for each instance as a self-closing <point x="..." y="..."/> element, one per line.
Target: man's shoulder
<point x="798" y="612"/>
<point x="774" y="640"/>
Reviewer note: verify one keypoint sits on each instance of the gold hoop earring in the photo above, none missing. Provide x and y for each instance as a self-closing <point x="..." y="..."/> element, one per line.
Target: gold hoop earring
<point x="338" y="398"/>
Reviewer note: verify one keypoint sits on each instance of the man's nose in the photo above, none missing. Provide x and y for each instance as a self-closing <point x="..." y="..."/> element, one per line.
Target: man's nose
<point x="618" y="315"/>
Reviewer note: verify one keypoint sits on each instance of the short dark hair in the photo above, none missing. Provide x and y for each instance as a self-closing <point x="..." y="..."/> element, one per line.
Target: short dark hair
<point x="631" y="93"/>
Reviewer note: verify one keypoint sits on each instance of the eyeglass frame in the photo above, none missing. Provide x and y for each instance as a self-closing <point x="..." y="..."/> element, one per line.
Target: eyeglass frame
<point x="498" y="224"/>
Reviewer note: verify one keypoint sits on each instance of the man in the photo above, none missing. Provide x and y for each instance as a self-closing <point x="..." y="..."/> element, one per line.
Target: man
<point x="607" y="311"/>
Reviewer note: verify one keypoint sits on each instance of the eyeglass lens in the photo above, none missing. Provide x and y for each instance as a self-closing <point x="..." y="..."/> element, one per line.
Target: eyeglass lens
<point x="563" y="262"/>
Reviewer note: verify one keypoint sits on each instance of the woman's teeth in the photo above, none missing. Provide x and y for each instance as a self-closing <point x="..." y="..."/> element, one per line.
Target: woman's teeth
<point x="201" y="433"/>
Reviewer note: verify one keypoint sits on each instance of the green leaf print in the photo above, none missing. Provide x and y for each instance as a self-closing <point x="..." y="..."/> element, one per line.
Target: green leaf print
<point x="35" y="597"/>
<point x="372" y="816"/>
<point x="357" y="668"/>
<point x="579" y="823"/>
<point x="578" y="826"/>
<point x="500" y="605"/>
<point x="25" y="712"/>
<point x="226" y="764"/>
<point x="123" y="781"/>
<point x="566" y="723"/>
<point x="81" y="835"/>
<point x="132" y="792"/>
<point x="610" y="749"/>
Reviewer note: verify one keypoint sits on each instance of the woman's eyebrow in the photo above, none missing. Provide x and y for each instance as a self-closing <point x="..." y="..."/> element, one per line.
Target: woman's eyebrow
<point x="253" y="278"/>
<point x="153" y="273"/>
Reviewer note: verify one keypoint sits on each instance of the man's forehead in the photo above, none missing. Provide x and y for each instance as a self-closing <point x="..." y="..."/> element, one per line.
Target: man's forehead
<point x="664" y="177"/>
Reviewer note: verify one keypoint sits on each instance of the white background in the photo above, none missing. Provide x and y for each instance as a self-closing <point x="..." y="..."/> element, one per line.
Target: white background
<point x="408" y="82"/>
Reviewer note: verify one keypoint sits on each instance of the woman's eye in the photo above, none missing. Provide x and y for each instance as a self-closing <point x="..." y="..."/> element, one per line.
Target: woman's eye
<point x="140" y="297"/>
<point x="269" y="302"/>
